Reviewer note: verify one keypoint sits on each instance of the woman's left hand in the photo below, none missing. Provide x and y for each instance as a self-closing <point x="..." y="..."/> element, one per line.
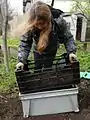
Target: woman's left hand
<point x="72" y="57"/>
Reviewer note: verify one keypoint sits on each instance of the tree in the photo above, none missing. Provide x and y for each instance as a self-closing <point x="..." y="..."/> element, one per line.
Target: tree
<point x="10" y="13"/>
<point x="4" y="14"/>
<point x="83" y="7"/>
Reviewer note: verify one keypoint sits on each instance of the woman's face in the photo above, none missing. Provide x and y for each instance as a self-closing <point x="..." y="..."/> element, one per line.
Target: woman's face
<point x="40" y="24"/>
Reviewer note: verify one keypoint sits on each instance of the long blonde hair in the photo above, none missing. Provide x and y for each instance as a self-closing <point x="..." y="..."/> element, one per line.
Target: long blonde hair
<point x="38" y="11"/>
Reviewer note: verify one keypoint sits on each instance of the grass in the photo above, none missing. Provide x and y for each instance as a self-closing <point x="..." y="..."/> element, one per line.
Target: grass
<point x="8" y="82"/>
<point x="14" y="42"/>
<point x="83" y="57"/>
<point x="7" y="79"/>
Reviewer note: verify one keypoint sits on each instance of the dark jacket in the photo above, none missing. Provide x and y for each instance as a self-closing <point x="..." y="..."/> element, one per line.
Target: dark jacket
<point x="60" y="34"/>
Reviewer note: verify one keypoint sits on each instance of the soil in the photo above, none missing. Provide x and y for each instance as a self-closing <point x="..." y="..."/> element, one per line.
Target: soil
<point x="11" y="107"/>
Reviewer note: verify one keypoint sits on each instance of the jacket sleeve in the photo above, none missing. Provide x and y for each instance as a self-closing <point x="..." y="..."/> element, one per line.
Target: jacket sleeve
<point x="24" y="47"/>
<point x="65" y="35"/>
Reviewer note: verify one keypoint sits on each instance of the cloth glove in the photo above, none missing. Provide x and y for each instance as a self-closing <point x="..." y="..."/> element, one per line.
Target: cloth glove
<point x="20" y="65"/>
<point x="72" y="57"/>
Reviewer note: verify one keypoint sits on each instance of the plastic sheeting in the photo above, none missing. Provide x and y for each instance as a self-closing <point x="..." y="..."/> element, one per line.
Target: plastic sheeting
<point x="85" y="75"/>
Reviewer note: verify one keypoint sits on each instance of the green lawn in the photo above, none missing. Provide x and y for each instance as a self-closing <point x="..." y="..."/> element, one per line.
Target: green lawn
<point x="11" y="42"/>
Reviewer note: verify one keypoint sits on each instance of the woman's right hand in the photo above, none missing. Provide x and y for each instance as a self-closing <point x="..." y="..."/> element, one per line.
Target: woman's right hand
<point x="20" y="66"/>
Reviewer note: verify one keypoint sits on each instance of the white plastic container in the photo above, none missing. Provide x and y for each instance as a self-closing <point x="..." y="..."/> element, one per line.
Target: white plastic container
<point x="50" y="102"/>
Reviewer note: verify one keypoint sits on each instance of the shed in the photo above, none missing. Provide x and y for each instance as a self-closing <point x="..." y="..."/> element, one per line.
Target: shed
<point x="87" y="37"/>
<point x="79" y="26"/>
<point x="82" y="33"/>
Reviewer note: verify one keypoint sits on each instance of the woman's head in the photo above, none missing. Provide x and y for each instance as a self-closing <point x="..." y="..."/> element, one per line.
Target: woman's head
<point x="40" y="15"/>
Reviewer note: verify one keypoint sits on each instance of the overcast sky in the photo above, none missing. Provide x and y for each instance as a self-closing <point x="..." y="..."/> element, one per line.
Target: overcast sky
<point x="17" y="5"/>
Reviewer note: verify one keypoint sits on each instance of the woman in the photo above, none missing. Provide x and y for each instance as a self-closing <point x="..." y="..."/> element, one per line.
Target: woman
<point x="44" y="32"/>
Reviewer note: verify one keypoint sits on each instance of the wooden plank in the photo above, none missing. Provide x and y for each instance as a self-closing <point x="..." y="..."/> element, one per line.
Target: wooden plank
<point x="88" y="47"/>
<point x="88" y="32"/>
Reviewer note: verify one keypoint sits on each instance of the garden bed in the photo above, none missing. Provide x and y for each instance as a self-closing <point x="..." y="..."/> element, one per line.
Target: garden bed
<point x="11" y="108"/>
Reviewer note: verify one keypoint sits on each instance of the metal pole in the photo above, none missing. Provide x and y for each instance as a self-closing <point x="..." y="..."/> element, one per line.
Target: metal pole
<point x="52" y="3"/>
<point x="24" y="5"/>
